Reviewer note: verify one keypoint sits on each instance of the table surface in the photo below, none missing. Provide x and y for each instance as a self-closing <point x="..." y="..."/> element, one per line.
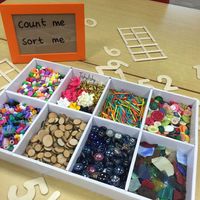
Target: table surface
<point x="176" y="29"/>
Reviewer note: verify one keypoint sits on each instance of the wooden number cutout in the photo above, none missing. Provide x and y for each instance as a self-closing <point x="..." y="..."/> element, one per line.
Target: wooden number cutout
<point x="120" y="73"/>
<point x="143" y="81"/>
<point x="112" y="52"/>
<point x="111" y="65"/>
<point x="54" y="196"/>
<point x="197" y="67"/>
<point x="90" y="22"/>
<point x="30" y="186"/>
<point x="168" y="79"/>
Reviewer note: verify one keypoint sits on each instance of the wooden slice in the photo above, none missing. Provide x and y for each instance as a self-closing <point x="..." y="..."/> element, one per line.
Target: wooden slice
<point x="67" y="134"/>
<point x="47" y="154"/>
<point x="59" y="149"/>
<point x="53" y="128"/>
<point x="42" y="133"/>
<point x="73" y="142"/>
<point x="51" y="120"/>
<point x="38" y="147"/>
<point x="31" y="152"/>
<point x="82" y="126"/>
<point x="61" y="159"/>
<point x="52" y="115"/>
<point x="77" y="121"/>
<point x="74" y="133"/>
<point x="62" y="127"/>
<point x="47" y="160"/>
<point x="68" y="127"/>
<point x="47" y="140"/>
<point x="40" y="155"/>
<point x="61" y="120"/>
<point x="57" y="165"/>
<point x="60" y="142"/>
<point x="66" y="153"/>
<point x="53" y="159"/>
<point x="34" y="139"/>
<point x="78" y="135"/>
<point x="58" y="133"/>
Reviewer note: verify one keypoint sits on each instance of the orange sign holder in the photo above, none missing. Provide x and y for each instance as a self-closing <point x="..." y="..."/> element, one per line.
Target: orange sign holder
<point x="8" y="10"/>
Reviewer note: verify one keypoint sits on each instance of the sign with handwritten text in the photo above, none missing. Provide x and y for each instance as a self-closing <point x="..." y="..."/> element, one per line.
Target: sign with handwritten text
<point x="49" y="31"/>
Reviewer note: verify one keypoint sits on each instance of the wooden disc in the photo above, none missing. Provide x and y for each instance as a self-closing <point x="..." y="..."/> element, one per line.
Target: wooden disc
<point x="53" y="159"/>
<point x="82" y="126"/>
<point x="52" y="115"/>
<point x="31" y="152"/>
<point x="78" y="135"/>
<point x="67" y="134"/>
<point x="68" y="127"/>
<point x="61" y="120"/>
<point x="47" y="160"/>
<point x="40" y="155"/>
<point x="47" y="140"/>
<point x="59" y="149"/>
<point x="62" y="127"/>
<point x="53" y="128"/>
<point x="60" y="142"/>
<point x="58" y="133"/>
<point x="61" y="159"/>
<point x="42" y="133"/>
<point x="57" y="165"/>
<point x="74" y="133"/>
<point x="47" y="154"/>
<point x="38" y="147"/>
<point x="35" y="138"/>
<point x="66" y="153"/>
<point x="73" y="142"/>
<point x="51" y="120"/>
<point x="77" y="121"/>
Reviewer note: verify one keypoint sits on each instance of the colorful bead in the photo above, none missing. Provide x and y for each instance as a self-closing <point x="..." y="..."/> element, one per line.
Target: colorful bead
<point x="81" y="94"/>
<point x="41" y="83"/>
<point x="169" y="119"/>
<point x="123" y="107"/>
<point x="15" y="119"/>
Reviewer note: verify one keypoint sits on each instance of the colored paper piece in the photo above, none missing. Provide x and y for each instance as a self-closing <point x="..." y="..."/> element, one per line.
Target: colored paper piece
<point x="163" y="164"/>
<point x="181" y="158"/>
<point x="144" y="152"/>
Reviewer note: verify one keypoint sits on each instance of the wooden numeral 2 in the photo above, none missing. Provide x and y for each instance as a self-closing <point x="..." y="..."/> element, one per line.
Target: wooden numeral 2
<point x="168" y="79"/>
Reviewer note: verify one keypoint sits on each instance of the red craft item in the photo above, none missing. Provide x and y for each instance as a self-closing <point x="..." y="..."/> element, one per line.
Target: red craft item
<point x="147" y="145"/>
<point x="148" y="184"/>
<point x="157" y="115"/>
<point x="149" y="121"/>
<point x="178" y="195"/>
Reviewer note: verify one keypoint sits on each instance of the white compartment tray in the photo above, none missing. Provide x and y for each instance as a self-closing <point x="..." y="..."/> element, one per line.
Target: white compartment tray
<point x="140" y="134"/>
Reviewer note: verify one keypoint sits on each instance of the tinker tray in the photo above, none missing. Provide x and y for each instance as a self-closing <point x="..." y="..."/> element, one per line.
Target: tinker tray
<point x="142" y="145"/>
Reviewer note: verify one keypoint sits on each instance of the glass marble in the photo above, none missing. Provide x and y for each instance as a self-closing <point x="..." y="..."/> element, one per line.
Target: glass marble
<point x="106" y="156"/>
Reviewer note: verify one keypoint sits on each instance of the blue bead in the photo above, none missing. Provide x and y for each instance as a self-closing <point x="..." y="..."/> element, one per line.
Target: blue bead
<point x="110" y="153"/>
<point x="108" y="170"/>
<point x="78" y="167"/>
<point x="114" y="180"/>
<point x="119" y="170"/>
<point x="85" y="174"/>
